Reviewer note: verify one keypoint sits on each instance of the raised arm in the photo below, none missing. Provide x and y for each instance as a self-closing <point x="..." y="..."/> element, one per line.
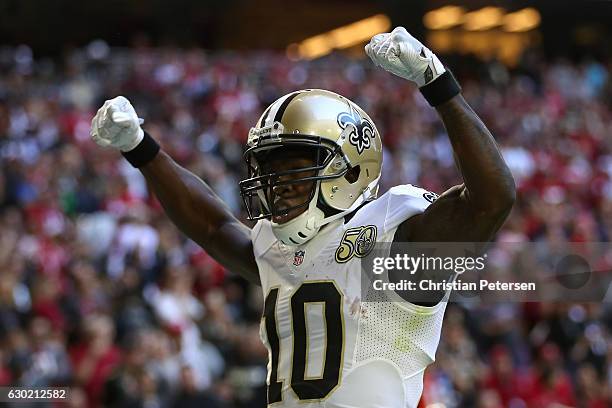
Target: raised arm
<point x="476" y="209"/>
<point x="201" y="215"/>
<point x="191" y="204"/>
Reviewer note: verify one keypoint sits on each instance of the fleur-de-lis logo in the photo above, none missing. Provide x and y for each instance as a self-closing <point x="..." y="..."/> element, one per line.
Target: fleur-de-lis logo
<point x="429" y="196"/>
<point x="362" y="131"/>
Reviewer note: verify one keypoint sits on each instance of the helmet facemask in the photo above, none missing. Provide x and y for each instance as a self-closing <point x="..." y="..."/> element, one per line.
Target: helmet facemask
<point x="271" y="172"/>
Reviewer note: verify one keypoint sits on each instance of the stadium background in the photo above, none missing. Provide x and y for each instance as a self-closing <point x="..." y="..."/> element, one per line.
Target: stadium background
<point x="100" y="292"/>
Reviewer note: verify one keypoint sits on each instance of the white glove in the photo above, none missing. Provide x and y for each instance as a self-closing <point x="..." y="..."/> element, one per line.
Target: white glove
<point x="116" y="124"/>
<point x="403" y="55"/>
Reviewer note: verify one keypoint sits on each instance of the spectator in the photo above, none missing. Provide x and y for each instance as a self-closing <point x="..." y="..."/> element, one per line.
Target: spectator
<point x="190" y="395"/>
<point x="95" y="357"/>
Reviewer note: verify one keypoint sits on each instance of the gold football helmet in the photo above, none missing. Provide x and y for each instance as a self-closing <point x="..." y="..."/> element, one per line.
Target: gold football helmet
<point x="347" y="160"/>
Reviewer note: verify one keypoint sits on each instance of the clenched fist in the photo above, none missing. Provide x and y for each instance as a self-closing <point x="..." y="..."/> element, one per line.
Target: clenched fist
<point x="117" y="125"/>
<point x="403" y="55"/>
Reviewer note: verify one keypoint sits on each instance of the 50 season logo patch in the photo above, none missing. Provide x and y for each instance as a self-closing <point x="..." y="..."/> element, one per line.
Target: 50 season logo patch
<point x="357" y="241"/>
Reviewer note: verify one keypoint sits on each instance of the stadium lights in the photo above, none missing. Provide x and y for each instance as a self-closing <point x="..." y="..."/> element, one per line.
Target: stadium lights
<point x="339" y="38"/>
<point x="482" y="19"/>
<point x="522" y="20"/>
<point x="444" y="17"/>
<point x="314" y="47"/>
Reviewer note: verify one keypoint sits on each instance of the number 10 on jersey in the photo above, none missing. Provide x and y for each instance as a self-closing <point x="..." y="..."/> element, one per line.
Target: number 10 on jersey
<point x="305" y="388"/>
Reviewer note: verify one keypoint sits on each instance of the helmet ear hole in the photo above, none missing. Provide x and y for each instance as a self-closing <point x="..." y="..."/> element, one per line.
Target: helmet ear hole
<point x="353" y="174"/>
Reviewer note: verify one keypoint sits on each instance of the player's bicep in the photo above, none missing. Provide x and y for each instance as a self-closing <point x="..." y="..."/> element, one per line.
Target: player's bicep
<point x="451" y="218"/>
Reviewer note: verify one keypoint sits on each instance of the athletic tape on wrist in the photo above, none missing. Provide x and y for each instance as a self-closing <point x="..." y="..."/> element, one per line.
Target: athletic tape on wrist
<point x="146" y="151"/>
<point x="441" y="89"/>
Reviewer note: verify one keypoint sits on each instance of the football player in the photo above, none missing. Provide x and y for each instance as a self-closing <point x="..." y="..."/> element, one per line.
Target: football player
<point x="314" y="163"/>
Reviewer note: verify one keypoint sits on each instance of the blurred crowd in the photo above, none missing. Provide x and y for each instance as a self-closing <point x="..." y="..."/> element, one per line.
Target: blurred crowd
<point x="101" y="293"/>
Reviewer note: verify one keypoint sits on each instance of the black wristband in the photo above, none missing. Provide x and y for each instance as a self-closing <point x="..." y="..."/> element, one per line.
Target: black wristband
<point x="143" y="153"/>
<point x="441" y="89"/>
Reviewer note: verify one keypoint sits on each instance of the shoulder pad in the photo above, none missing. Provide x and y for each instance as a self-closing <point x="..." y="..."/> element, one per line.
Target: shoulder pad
<point x="404" y="202"/>
<point x="392" y="208"/>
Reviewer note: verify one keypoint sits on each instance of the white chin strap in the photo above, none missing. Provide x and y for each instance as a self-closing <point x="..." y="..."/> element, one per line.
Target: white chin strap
<point x="306" y="225"/>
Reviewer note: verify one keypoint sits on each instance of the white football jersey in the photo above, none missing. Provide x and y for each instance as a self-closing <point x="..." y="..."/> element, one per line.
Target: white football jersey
<point x="327" y="346"/>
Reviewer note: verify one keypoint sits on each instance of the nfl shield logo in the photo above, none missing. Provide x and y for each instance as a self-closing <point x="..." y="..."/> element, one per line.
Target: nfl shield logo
<point x="298" y="258"/>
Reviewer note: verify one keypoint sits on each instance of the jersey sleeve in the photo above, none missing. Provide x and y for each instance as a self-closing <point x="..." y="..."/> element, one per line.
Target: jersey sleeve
<point x="388" y="211"/>
<point x="405" y="201"/>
